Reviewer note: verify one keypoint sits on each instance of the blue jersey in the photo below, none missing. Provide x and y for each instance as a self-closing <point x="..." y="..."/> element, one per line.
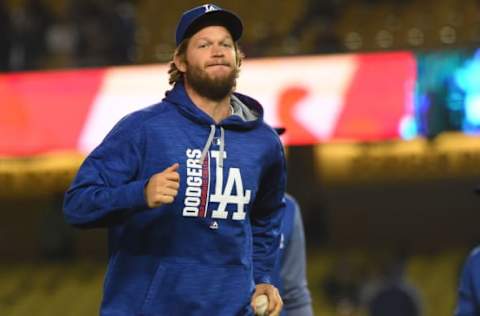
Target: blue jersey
<point x="204" y="253"/>
<point x="289" y="274"/>
<point x="468" y="303"/>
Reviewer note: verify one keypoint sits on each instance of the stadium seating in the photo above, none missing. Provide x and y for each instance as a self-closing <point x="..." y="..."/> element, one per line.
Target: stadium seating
<point x="73" y="288"/>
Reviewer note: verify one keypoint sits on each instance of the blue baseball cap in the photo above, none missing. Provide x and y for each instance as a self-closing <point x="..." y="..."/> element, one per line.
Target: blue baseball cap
<point x="205" y="15"/>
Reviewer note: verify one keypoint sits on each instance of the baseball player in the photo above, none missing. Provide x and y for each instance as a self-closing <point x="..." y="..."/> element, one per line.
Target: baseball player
<point x="190" y="189"/>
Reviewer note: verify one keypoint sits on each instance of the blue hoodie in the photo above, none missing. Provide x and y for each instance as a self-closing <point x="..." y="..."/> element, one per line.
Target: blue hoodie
<point x="204" y="253"/>
<point x="468" y="303"/>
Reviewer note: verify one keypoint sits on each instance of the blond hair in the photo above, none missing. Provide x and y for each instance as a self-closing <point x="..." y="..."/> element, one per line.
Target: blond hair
<point x="175" y="75"/>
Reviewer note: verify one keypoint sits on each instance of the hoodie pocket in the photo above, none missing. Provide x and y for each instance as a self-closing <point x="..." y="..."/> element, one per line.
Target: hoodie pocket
<point x="194" y="289"/>
<point x="155" y="284"/>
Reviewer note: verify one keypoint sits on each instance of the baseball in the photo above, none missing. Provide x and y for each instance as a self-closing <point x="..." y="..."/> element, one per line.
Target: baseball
<point x="261" y="305"/>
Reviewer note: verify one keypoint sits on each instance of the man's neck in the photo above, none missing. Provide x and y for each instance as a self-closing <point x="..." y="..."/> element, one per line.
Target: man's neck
<point x="218" y="110"/>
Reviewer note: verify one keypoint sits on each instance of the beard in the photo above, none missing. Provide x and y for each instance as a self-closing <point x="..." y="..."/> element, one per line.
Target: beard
<point x="213" y="88"/>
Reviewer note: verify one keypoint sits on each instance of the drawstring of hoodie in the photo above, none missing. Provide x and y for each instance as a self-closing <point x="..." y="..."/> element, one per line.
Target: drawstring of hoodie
<point x="222" y="147"/>
<point x="209" y="143"/>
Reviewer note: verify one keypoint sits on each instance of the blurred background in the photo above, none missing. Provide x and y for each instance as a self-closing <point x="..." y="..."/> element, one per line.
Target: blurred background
<point x="380" y="98"/>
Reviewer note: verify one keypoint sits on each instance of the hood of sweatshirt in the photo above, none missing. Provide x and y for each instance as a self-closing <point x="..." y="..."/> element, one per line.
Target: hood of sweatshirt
<point x="247" y="112"/>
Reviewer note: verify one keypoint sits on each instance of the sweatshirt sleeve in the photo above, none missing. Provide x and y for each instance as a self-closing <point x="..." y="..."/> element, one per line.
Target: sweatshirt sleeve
<point x="468" y="303"/>
<point x="296" y="296"/>
<point x="107" y="188"/>
<point x="266" y="218"/>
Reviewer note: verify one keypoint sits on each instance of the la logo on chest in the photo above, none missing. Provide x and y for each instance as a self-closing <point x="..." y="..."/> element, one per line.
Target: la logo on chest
<point x="198" y="183"/>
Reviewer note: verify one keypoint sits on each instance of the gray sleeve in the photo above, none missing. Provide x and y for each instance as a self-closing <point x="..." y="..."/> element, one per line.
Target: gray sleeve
<point x="297" y="300"/>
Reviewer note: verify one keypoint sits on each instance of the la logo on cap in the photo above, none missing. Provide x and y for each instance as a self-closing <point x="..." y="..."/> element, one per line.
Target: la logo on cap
<point x="209" y="7"/>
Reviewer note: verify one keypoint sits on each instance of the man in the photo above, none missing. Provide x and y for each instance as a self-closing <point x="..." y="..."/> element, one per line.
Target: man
<point x="290" y="274"/>
<point x="191" y="189"/>
<point x="290" y="270"/>
<point x="468" y="302"/>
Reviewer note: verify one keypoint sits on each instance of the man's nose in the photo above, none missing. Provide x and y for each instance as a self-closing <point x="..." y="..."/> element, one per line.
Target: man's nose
<point x="217" y="50"/>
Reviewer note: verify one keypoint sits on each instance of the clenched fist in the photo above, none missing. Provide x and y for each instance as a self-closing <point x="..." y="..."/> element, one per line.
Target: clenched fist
<point x="162" y="188"/>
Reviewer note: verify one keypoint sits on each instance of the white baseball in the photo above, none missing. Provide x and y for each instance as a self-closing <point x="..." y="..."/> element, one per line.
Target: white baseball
<point x="261" y="305"/>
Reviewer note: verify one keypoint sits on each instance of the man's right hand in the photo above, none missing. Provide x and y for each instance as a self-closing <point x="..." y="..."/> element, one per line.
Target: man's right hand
<point x="162" y="188"/>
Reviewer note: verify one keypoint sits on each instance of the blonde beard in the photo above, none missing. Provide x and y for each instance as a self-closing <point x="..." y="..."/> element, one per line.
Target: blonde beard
<point x="212" y="88"/>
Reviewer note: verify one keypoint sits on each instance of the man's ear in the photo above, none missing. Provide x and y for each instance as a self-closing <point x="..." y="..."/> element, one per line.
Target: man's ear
<point x="180" y="63"/>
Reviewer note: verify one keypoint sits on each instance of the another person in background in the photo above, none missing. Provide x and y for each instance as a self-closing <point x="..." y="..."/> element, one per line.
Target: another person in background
<point x="290" y="271"/>
<point x="191" y="189"/>
<point x="389" y="292"/>
<point x="468" y="301"/>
